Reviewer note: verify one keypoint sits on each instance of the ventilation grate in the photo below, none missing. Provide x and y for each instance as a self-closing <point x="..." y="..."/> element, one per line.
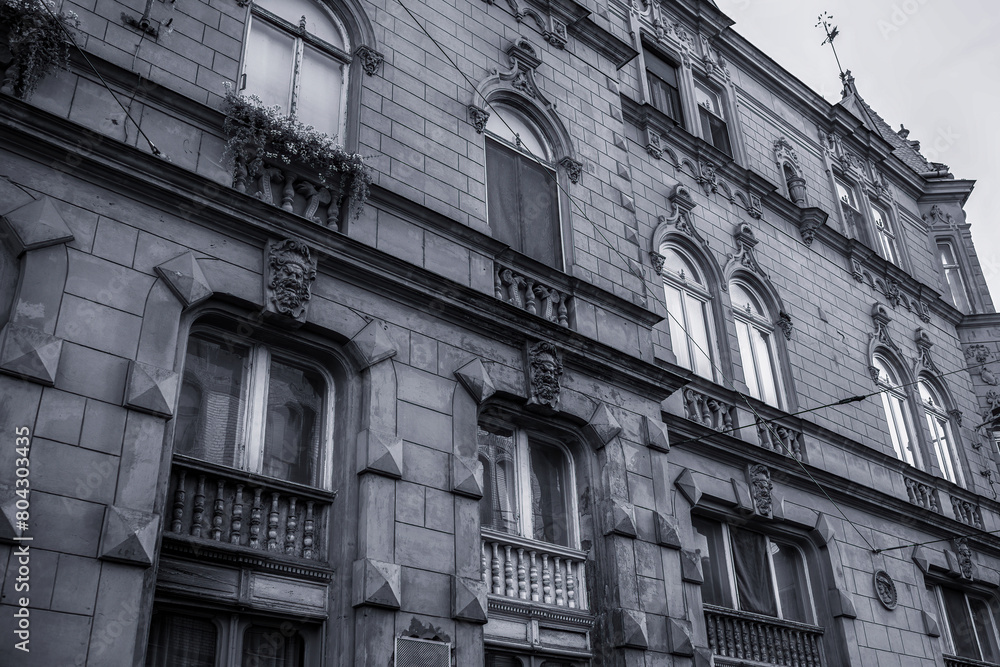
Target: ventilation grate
<point x="413" y="652"/>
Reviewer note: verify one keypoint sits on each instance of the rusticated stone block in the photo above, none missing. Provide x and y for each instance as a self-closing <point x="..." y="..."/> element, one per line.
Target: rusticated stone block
<point x="629" y="626"/>
<point x="688" y="487"/>
<point x="620" y="517"/>
<point x="377" y="583"/>
<point x="841" y="604"/>
<point x="476" y="380"/>
<point x="468" y="600"/>
<point x="8" y="508"/>
<point x="150" y="389"/>
<point x="931" y="626"/>
<point x="36" y="225"/>
<point x="920" y="559"/>
<point x="666" y="531"/>
<point x="30" y="354"/>
<point x="380" y="453"/>
<point x="824" y="529"/>
<point x="657" y="436"/>
<point x="466" y="477"/>
<point x="186" y="279"/>
<point x="603" y="425"/>
<point x="372" y="344"/>
<point x="679" y="637"/>
<point x="129" y="536"/>
<point x="691" y="570"/>
<point x="703" y="657"/>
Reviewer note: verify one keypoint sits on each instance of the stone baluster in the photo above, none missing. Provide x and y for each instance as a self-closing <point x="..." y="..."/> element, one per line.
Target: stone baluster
<point x="288" y="192"/>
<point x="558" y="581"/>
<point x="508" y="572"/>
<point x="199" y="507"/>
<point x="218" y="510"/>
<point x="179" y="493"/>
<point x="563" y="312"/>
<point x="267" y="174"/>
<point x="570" y="585"/>
<point x="533" y="575"/>
<point x="291" y="524"/>
<point x="272" y="524"/>
<point x="546" y="580"/>
<point x="255" y="518"/>
<point x="497" y="581"/>
<point x="236" y="525"/>
<point x="240" y="177"/>
<point x="308" y="528"/>
<point x="529" y="296"/>
<point x="522" y="575"/>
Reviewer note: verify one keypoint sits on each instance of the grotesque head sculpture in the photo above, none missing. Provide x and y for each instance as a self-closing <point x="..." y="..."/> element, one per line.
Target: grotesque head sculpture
<point x="544" y="372"/>
<point x="291" y="270"/>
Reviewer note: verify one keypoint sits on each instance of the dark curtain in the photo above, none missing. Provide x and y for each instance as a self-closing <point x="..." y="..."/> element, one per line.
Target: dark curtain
<point x="270" y="647"/>
<point x="753" y="573"/>
<point x="181" y="641"/>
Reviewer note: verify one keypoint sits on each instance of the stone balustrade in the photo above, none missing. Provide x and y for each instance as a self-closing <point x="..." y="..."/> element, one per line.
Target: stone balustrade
<point x="294" y="190"/>
<point x="745" y="639"/>
<point x="516" y="567"/>
<point x="923" y="495"/>
<point x="531" y="295"/>
<point x="708" y="410"/>
<point x="956" y="661"/>
<point x="967" y="512"/>
<point x="780" y="438"/>
<point x="243" y="510"/>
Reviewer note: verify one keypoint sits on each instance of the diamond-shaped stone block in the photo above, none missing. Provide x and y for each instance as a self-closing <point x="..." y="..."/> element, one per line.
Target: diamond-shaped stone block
<point x="36" y="225"/>
<point x="186" y="279"/>
<point x="703" y="657"/>
<point x="666" y="531"/>
<point x="603" y="425"/>
<point x="476" y="380"/>
<point x="691" y="569"/>
<point x="372" y="344"/>
<point x="468" y="600"/>
<point x="841" y="604"/>
<point x="150" y="389"/>
<point x="380" y="453"/>
<point x="920" y="559"/>
<point x="742" y="494"/>
<point x="630" y="629"/>
<point x="679" y="637"/>
<point x="377" y="583"/>
<point x="620" y="517"/>
<point x="129" y="536"/>
<point x="30" y="353"/>
<point x="8" y="508"/>
<point x="467" y="477"/>
<point x="688" y="487"/>
<point x="657" y="436"/>
<point x="824" y="529"/>
<point x="931" y="625"/>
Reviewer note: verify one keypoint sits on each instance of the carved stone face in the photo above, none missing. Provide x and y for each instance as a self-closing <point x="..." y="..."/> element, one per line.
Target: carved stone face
<point x="289" y="283"/>
<point x="760" y="488"/>
<point x="547" y="375"/>
<point x="965" y="558"/>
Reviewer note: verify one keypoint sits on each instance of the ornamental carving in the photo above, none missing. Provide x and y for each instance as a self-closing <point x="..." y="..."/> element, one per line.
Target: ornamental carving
<point x="924" y="360"/>
<point x="964" y="554"/>
<point x="371" y="60"/>
<point x="880" y="335"/>
<point x="679" y="219"/>
<point x="885" y="589"/>
<point x="478" y="117"/>
<point x="574" y="168"/>
<point x="982" y="354"/>
<point x="545" y="369"/>
<point x="288" y="278"/>
<point x="785" y="152"/>
<point x="785" y="324"/>
<point x="653" y="145"/>
<point x="936" y="216"/>
<point x="744" y="256"/>
<point x="759" y="480"/>
<point x="657" y="259"/>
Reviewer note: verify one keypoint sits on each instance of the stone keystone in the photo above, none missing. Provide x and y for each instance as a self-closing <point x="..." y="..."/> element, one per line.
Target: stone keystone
<point x="620" y="518"/>
<point x="468" y="600"/>
<point x="687" y="485"/>
<point x="630" y="628"/>
<point x="604" y="425"/>
<point x="657" y="436"/>
<point x="476" y="380"/>
<point x="466" y="477"/>
<point x="377" y="584"/>
<point x="129" y="536"/>
<point x="185" y="278"/>
<point x="150" y="389"/>
<point x="666" y="531"/>
<point x="36" y="225"/>
<point x="30" y="353"/>
<point x="679" y="637"/>
<point x="372" y="344"/>
<point x="379" y="453"/>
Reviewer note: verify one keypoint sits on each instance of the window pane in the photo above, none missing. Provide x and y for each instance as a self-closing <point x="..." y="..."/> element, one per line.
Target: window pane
<point x="181" y="641"/>
<point x="716" y="589"/>
<point x="318" y="22"/>
<point x="744" y="301"/>
<point x="982" y="619"/>
<point x="497" y="509"/>
<point x="765" y="367"/>
<point x="212" y="412"/>
<point x="271" y="647"/>
<point x="753" y="573"/>
<point x="746" y="357"/>
<point x="320" y="91"/>
<point x="698" y="330"/>
<point x="513" y="128"/>
<point x="269" y="64"/>
<point x="790" y="577"/>
<point x="539" y="213"/>
<point x="293" y="430"/>
<point x="664" y="96"/>
<point x="503" y="208"/>
<point x="960" y="623"/>
<point x="675" y="315"/>
<point x="549" y="494"/>
<point x="900" y="420"/>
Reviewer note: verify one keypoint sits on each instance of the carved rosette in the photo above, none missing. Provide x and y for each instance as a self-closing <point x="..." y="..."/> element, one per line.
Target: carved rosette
<point x="478" y="117"/>
<point x="759" y="480"/>
<point x="371" y="60"/>
<point x="573" y="168"/>
<point x="885" y="589"/>
<point x="545" y="369"/>
<point x="290" y="269"/>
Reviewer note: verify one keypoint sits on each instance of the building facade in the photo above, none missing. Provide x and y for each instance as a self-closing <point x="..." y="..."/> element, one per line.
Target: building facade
<point x="638" y="352"/>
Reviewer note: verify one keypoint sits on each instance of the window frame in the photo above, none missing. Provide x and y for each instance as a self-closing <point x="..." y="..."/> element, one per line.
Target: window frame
<point x="676" y="113"/>
<point x="886" y="239"/>
<point x="713" y="135"/>
<point x="762" y="326"/>
<point x="957" y="270"/>
<point x="898" y="393"/>
<point x="250" y="452"/>
<point x="938" y="415"/>
<point x="937" y="591"/>
<point x="696" y="291"/>
<point x="301" y="38"/>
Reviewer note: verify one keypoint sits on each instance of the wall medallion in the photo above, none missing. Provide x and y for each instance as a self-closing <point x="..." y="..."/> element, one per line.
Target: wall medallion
<point x="885" y="588"/>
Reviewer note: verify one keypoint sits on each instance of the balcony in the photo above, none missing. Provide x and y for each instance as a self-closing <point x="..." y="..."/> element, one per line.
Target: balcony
<point x="922" y="495"/>
<point x="533" y="296"/>
<point x="212" y="506"/>
<point x="955" y="661"/>
<point x="745" y="639"/>
<point x="967" y="512"/>
<point x="519" y="568"/>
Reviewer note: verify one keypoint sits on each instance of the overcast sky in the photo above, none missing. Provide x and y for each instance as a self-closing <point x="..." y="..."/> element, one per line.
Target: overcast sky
<point x="929" y="64"/>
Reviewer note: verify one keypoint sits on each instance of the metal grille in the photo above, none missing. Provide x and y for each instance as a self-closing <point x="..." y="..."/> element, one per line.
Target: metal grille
<point x="411" y="652"/>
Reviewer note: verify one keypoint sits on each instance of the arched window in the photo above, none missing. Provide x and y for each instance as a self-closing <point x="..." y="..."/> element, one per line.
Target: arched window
<point x="296" y="57"/>
<point x="689" y="311"/>
<point x="942" y="439"/>
<point x="754" y="333"/>
<point x="897" y="412"/>
<point x="521" y="186"/>
<point x="885" y="237"/>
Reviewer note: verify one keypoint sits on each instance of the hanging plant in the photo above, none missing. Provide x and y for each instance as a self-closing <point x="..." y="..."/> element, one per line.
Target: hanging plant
<point x="34" y="40"/>
<point x="259" y="134"/>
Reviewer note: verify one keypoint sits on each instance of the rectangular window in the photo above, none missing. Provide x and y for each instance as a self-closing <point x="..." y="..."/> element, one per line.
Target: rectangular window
<point x="957" y="293"/>
<point x="714" y="128"/>
<point x="885" y="238"/>
<point x="971" y="624"/>
<point x="664" y="91"/>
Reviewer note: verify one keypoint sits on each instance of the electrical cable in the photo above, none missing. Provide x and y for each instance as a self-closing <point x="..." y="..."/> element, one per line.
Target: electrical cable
<point x="943" y="539"/>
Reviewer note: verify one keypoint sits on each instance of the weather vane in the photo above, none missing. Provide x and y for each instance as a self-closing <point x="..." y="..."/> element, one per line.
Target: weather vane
<point x="832" y="32"/>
